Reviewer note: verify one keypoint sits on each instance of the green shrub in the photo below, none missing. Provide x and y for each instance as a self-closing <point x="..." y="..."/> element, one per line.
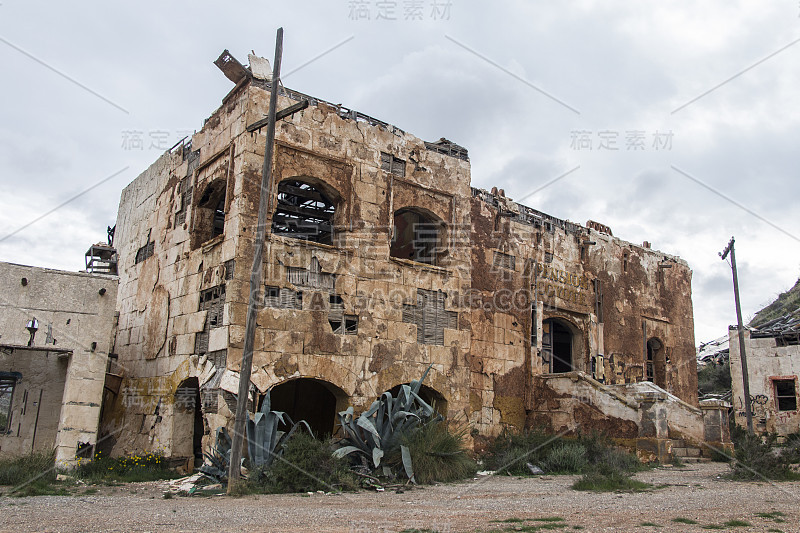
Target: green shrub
<point x="585" y="453"/>
<point x="438" y="453"/>
<point x="791" y="449"/>
<point x="617" y="460"/>
<point x="307" y="465"/>
<point x="131" y="468"/>
<point x="757" y="457"/>
<point x="599" y="481"/>
<point x="510" y="451"/>
<point x="566" y="458"/>
<point x="37" y="465"/>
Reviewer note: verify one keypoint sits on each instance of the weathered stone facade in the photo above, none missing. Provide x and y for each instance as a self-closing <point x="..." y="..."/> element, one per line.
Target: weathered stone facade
<point x="52" y="390"/>
<point x="413" y="268"/>
<point x="773" y="365"/>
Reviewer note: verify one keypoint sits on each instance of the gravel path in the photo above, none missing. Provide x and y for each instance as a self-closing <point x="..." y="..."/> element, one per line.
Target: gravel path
<point x="694" y="492"/>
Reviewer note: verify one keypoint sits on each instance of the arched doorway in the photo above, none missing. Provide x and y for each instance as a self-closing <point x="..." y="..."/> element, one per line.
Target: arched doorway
<point x="312" y="400"/>
<point x="558" y="343"/>
<point x="187" y="426"/>
<point x="655" y="364"/>
<point x="430" y="396"/>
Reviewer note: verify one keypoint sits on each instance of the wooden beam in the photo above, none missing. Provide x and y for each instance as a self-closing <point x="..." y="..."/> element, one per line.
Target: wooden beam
<point x="280" y="115"/>
<point x="304" y="212"/>
<point x="256" y="281"/>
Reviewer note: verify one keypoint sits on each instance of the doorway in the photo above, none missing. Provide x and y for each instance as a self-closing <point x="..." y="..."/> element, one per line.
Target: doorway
<point x="557" y="344"/>
<point x="312" y="400"/>
<point x="188" y="428"/>
<point x="655" y="365"/>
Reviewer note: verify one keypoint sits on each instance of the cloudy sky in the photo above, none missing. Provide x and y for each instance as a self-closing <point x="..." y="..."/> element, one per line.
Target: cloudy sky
<point x="674" y="122"/>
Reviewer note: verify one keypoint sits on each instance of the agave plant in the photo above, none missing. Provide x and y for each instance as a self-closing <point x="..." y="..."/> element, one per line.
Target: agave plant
<point x="219" y="460"/>
<point x="264" y="441"/>
<point x="380" y="430"/>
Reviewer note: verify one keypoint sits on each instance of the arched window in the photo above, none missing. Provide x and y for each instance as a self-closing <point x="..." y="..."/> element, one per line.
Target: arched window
<point x="417" y="237"/>
<point x="304" y="211"/>
<point x="209" y="217"/>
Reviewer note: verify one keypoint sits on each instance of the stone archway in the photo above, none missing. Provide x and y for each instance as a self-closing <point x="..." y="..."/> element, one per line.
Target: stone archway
<point x="313" y="400"/>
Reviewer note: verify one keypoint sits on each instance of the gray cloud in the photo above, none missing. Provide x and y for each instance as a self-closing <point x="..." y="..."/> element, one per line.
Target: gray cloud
<point x="624" y="67"/>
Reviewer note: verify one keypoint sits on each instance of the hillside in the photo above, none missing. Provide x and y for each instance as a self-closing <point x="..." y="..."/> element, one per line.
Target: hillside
<point x="787" y="303"/>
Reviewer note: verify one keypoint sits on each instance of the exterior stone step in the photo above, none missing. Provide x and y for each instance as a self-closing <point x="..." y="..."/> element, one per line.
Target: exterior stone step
<point x="696" y="459"/>
<point x="686" y="452"/>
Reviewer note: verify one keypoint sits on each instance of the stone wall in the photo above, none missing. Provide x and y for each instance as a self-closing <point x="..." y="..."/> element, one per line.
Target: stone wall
<point x="66" y="365"/>
<point x="767" y="363"/>
<point x="184" y="283"/>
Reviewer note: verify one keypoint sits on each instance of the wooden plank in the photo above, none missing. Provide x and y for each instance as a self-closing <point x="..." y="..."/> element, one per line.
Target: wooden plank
<point x="256" y="275"/>
<point x="280" y="115"/>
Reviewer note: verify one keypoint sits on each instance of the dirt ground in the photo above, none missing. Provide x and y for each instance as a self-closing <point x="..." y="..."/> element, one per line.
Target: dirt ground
<point x="694" y="492"/>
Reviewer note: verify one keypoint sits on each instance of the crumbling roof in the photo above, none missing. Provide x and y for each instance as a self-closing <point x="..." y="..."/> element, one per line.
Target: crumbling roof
<point x="786" y="326"/>
<point x="714" y="351"/>
<point x="258" y="74"/>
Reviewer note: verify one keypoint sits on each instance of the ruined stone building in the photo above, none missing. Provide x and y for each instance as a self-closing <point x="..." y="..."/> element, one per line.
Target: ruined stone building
<point x="55" y="338"/>
<point x="773" y="367"/>
<point x="380" y="260"/>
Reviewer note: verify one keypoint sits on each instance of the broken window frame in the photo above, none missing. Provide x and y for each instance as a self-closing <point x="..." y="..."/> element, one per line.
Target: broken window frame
<point x="209" y="391"/>
<point x="282" y="298"/>
<point x="213" y="301"/>
<point x="145" y="252"/>
<point x="504" y="260"/>
<point x="185" y="191"/>
<point x="430" y="317"/>
<point x="230" y="268"/>
<point x="393" y="165"/>
<point x="209" y="214"/>
<point x="345" y="325"/>
<point x="426" y="244"/>
<point x="785" y="400"/>
<point x="312" y="277"/>
<point x="8" y="383"/>
<point x="304" y="211"/>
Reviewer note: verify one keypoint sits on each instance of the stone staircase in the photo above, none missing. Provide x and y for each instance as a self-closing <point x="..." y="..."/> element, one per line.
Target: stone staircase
<point x="686" y="453"/>
<point x="657" y="424"/>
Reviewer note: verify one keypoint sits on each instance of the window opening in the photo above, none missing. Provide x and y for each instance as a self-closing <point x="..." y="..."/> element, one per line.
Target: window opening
<point x="303" y="212"/>
<point x="209" y="217"/>
<point x="219" y="218"/>
<point x="185" y="191"/>
<point x="145" y="251"/>
<point x="213" y="301"/>
<point x="502" y="260"/>
<point x="312" y="277"/>
<point x="416" y="237"/>
<point x="283" y="298"/>
<point x="430" y="317"/>
<point x="393" y="165"/>
<point x="785" y="394"/>
<point x="7" y="385"/>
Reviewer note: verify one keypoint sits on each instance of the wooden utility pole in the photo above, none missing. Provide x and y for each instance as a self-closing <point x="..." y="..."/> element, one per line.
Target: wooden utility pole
<point x="237" y="439"/>
<point x="745" y="376"/>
